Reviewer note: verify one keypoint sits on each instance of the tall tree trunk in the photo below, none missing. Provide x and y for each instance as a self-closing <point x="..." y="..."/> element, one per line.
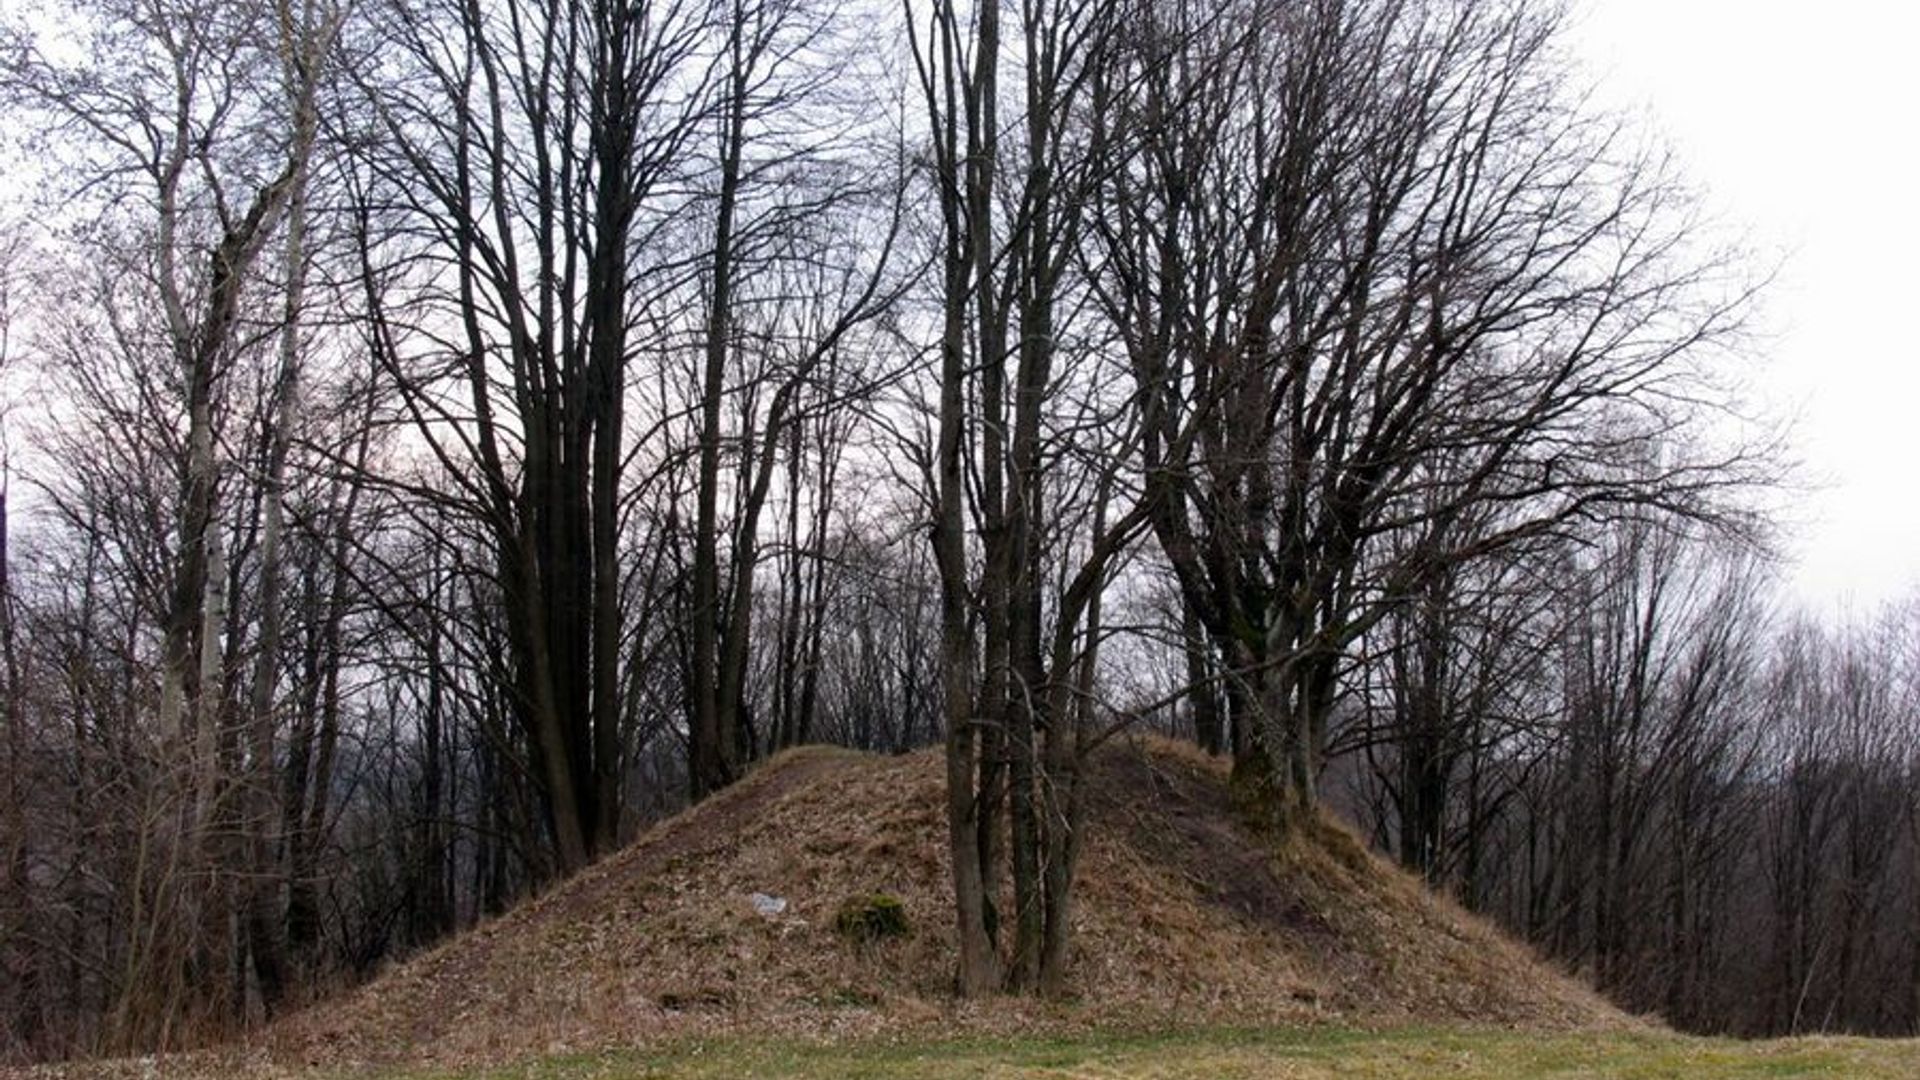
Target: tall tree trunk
<point x="979" y="963"/>
<point x="606" y="417"/>
<point x="303" y="43"/>
<point x="713" y="737"/>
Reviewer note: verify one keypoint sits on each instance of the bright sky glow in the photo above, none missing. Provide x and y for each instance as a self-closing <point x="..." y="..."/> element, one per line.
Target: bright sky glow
<point x="1802" y="122"/>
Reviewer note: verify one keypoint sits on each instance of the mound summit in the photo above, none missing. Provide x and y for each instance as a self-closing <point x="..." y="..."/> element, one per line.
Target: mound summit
<point x="1182" y="917"/>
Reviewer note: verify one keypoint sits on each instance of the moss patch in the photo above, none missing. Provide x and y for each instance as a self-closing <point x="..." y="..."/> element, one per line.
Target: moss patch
<point x="870" y="918"/>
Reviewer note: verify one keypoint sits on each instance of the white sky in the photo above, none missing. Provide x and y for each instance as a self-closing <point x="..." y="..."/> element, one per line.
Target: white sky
<point x="1802" y="122"/>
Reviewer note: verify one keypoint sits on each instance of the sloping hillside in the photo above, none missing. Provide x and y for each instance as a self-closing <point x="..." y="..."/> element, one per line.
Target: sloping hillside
<point x="1182" y="917"/>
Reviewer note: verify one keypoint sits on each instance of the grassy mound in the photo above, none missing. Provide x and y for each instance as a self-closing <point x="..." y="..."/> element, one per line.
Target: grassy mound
<point x="1182" y="918"/>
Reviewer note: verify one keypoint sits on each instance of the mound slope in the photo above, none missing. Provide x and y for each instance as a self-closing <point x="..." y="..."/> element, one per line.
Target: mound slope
<point x="1181" y="917"/>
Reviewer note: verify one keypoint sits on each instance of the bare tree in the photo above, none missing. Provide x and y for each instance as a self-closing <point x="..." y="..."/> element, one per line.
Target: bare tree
<point x="805" y="218"/>
<point x="194" y="160"/>
<point x="529" y="145"/>
<point x="1357" y="309"/>
<point x="1011" y="203"/>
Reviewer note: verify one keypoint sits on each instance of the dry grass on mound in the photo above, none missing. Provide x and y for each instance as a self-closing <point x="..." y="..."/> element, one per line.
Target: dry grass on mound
<point x="1182" y="917"/>
<point x="1369" y="940"/>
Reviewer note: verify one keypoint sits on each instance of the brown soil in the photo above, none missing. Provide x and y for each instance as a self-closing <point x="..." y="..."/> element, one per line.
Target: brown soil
<point x="1183" y="916"/>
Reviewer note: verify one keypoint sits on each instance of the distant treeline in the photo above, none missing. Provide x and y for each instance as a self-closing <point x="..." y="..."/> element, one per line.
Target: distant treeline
<point x="1643" y="763"/>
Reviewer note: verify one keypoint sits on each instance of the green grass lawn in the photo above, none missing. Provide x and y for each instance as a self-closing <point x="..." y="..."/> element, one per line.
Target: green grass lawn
<point x="1224" y="1055"/>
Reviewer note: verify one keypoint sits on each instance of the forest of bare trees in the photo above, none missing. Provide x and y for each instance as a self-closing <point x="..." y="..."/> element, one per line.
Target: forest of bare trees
<point x="443" y="437"/>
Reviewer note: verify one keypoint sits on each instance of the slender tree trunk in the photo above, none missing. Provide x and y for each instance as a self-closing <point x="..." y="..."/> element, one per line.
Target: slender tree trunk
<point x="1065" y="754"/>
<point x="793" y="588"/>
<point x="1208" y="722"/>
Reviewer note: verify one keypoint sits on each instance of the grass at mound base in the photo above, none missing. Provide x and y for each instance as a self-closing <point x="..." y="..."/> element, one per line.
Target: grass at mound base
<point x="1306" y="1054"/>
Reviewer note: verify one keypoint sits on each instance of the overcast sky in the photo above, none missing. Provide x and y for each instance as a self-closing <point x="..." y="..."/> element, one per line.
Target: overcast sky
<point x="1802" y="122"/>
